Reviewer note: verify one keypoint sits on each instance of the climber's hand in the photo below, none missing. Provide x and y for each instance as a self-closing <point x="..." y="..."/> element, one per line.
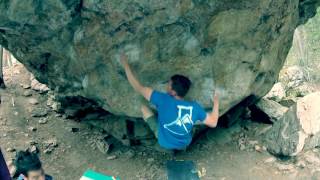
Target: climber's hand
<point x="215" y="97"/>
<point x="124" y="59"/>
<point x="213" y="117"/>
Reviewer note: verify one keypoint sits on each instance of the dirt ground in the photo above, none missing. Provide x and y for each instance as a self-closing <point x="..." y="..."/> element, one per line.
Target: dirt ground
<point x="232" y="153"/>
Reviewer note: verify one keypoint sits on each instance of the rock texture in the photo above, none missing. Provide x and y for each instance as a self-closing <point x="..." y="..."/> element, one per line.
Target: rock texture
<point x="298" y="129"/>
<point x="37" y="86"/>
<point x="273" y="110"/>
<point x="277" y="92"/>
<point x="73" y="46"/>
<point x="292" y="77"/>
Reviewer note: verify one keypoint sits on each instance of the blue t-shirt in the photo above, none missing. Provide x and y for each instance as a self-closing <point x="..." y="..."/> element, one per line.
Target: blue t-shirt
<point x="176" y="119"/>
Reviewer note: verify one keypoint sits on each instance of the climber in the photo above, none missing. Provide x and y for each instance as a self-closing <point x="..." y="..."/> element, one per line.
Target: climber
<point x="176" y="116"/>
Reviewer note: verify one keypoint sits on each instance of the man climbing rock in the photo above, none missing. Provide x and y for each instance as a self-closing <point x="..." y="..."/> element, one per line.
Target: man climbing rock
<point x="176" y="116"/>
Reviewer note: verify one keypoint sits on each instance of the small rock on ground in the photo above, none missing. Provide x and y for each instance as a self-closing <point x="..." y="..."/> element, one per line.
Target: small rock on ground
<point x="32" y="129"/>
<point x="270" y="160"/>
<point x="111" y="157"/>
<point x="285" y="167"/>
<point x="25" y="86"/>
<point x="33" y="101"/>
<point x="34" y="149"/>
<point x="39" y="112"/>
<point x="103" y="146"/>
<point x="27" y="93"/>
<point x="43" y="121"/>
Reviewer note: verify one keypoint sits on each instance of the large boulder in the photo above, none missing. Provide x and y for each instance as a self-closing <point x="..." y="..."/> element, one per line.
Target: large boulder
<point x="298" y="129"/>
<point x="301" y="90"/>
<point x="277" y="92"/>
<point x="271" y="109"/>
<point x="73" y="46"/>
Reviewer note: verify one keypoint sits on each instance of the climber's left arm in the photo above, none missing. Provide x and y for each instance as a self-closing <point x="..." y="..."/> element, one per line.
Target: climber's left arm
<point x="143" y="90"/>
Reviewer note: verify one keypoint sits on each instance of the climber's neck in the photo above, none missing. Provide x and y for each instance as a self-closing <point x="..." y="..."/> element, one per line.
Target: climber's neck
<point x="178" y="97"/>
<point x="174" y="95"/>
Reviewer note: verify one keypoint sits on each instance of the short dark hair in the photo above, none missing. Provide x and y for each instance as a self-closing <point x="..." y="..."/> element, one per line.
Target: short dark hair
<point x="25" y="162"/>
<point x="180" y="84"/>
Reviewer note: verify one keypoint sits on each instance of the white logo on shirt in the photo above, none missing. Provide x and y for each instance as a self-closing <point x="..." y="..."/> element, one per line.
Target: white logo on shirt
<point x="182" y="121"/>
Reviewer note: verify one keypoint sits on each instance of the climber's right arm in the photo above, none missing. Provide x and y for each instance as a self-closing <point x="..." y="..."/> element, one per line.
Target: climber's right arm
<point x="145" y="91"/>
<point x="212" y="118"/>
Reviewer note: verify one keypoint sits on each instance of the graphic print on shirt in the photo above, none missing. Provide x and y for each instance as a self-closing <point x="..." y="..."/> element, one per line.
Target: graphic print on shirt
<point x="183" y="124"/>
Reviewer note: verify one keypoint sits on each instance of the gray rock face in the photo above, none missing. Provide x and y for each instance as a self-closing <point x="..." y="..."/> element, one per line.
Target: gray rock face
<point x="73" y="46"/>
<point x="274" y="110"/>
<point x="298" y="129"/>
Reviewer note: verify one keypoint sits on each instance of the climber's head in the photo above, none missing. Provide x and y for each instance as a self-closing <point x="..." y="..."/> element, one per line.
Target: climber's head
<point x="178" y="86"/>
<point x="29" y="166"/>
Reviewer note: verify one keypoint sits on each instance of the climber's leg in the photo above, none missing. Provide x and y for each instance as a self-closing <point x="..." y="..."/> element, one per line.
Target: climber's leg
<point x="150" y="119"/>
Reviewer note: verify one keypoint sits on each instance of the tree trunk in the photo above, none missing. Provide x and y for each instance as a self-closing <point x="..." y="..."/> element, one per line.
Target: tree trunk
<point x="2" y="85"/>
